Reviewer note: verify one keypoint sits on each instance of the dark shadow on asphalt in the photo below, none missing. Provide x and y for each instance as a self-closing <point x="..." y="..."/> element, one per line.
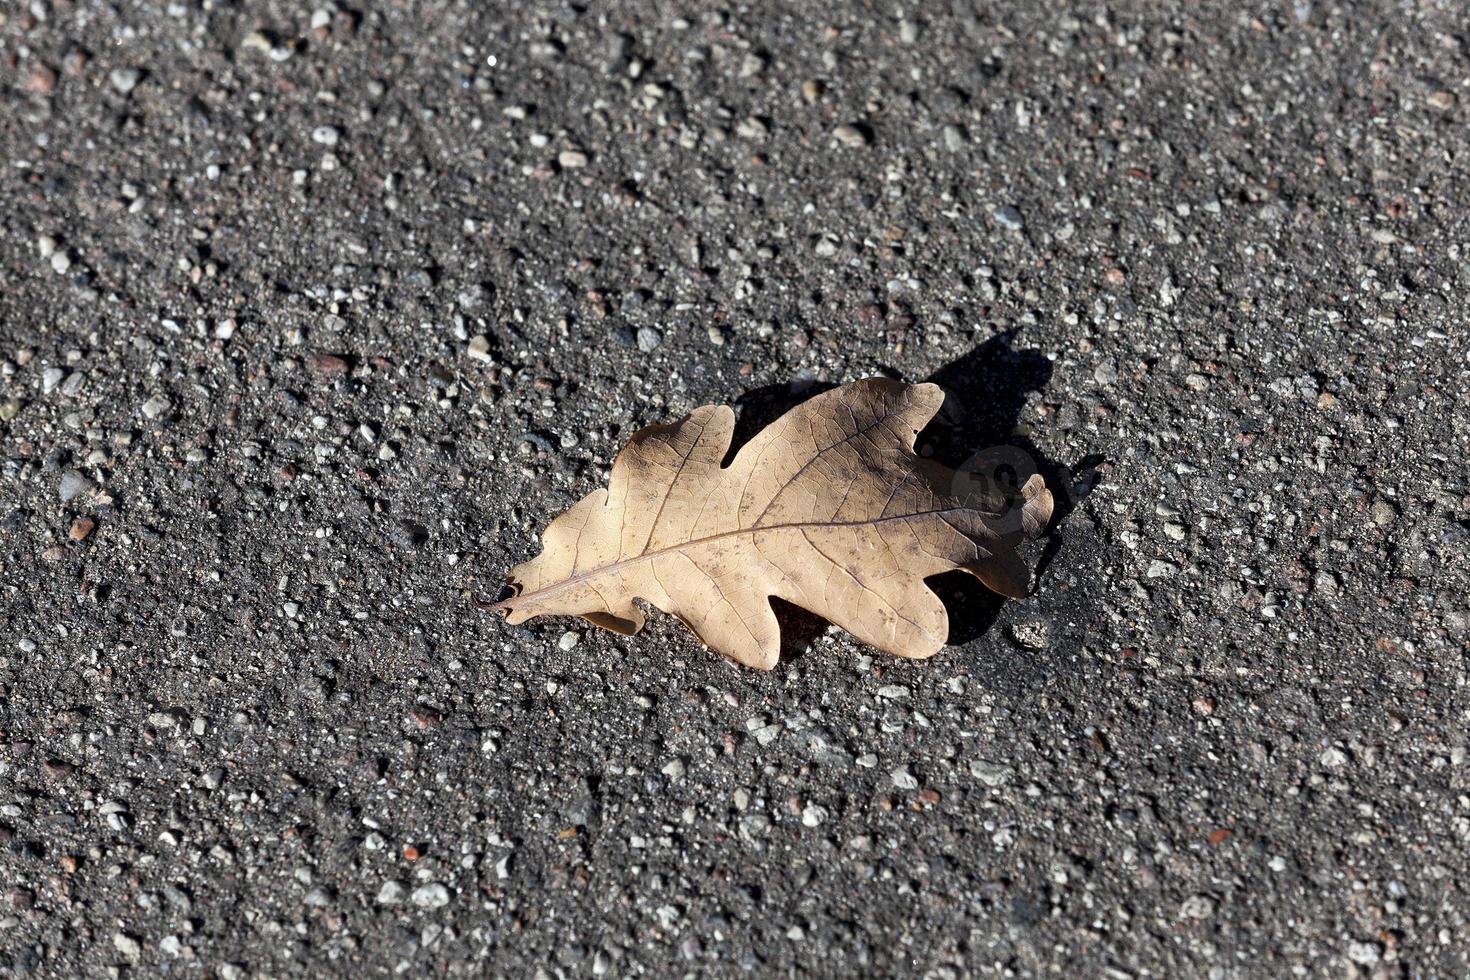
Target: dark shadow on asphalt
<point x="976" y="432"/>
<point x="985" y="393"/>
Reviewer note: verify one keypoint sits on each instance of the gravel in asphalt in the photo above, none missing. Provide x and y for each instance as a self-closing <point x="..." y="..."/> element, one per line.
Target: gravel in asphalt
<point x="311" y="319"/>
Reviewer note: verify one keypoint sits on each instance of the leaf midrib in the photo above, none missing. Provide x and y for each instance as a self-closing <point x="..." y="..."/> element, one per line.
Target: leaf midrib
<point x="602" y="570"/>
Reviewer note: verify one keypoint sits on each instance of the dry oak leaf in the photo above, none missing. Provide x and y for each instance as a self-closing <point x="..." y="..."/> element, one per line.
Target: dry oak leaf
<point x="828" y="507"/>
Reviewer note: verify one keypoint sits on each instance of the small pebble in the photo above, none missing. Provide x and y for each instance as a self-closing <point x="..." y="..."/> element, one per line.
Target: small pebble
<point x="849" y="135"/>
<point x="649" y="338"/>
<point x="990" y="773"/>
<point x="58" y="769"/>
<point x="330" y="364"/>
<point x="571" y="159"/>
<point x="42" y="80"/>
<point x="1364" y="953"/>
<point x="129" y="947"/>
<point x="73" y="484"/>
<point x="124" y="80"/>
<point x="1441" y="100"/>
<point x="326" y="135"/>
<point x="752" y="128"/>
<point x="81" y="528"/>
<point x="1009" y="218"/>
<point x="75" y="62"/>
<point x="752" y="64"/>
<point x="156" y="407"/>
<point x="1197" y="907"/>
<point x="1031" y="635"/>
<point x="471" y="297"/>
<point x="430" y="896"/>
<point x="568" y="640"/>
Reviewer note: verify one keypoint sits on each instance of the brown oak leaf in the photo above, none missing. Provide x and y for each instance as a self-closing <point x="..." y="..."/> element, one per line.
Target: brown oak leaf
<point x="828" y="507"/>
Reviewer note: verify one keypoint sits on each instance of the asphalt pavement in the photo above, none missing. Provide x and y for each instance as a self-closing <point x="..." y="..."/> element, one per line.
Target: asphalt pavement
<point x="310" y="320"/>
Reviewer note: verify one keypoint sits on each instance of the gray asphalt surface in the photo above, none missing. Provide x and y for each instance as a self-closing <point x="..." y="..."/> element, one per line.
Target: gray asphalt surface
<point x="310" y="321"/>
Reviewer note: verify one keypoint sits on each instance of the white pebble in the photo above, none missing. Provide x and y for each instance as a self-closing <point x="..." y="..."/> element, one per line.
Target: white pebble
<point x="126" y="945"/>
<point x="649" y="339"/>
<point x="430" y="896"/>
<point x="1197" y="907"/>
<point x="1009" y="218"/>
<point x="124" y="79"/>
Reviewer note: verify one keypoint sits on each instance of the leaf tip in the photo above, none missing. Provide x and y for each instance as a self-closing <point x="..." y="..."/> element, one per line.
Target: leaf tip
<point x="1004" y="574"/>
<point x="1036" y="506"/>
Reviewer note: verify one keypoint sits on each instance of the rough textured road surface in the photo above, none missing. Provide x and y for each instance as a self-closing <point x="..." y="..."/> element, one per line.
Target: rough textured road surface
<point x="311" y="319"/>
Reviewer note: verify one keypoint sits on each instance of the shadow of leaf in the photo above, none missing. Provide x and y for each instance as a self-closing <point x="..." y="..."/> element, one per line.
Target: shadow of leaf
<point x="976" y="428"/>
